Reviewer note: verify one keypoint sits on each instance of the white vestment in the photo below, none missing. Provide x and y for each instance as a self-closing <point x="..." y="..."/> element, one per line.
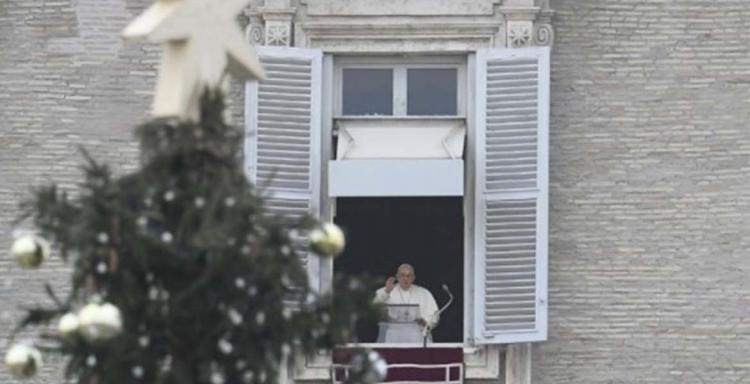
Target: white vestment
<point x="414" y="295"/>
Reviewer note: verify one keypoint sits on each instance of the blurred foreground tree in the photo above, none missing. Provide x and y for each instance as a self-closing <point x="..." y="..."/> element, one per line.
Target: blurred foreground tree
<point x="179" y="274"/>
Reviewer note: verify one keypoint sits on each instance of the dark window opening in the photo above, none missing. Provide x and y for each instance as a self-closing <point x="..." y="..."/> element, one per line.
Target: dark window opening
<point x="426" y="232"/>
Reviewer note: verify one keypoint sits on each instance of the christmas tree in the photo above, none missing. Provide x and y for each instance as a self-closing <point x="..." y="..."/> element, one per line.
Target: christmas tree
<point x="180" y="275"/>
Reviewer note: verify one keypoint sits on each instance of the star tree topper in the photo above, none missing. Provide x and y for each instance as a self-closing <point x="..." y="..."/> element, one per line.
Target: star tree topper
<point x="201" y="42"/>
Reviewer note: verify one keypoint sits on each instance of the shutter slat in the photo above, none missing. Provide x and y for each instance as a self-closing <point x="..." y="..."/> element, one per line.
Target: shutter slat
<point x="265" y="115"/>
<point x="517" y="258"/>
<point x="281" y="90"/>
<point x="284" y="128"/>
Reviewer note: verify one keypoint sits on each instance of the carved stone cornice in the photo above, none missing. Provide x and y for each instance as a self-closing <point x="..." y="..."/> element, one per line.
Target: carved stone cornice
<point x="399" y="7"/>
<point x="286" y="13"/>
<point x="509" y="23"/>
<point x="519" y="13"/>
<point x="397" y="34"/>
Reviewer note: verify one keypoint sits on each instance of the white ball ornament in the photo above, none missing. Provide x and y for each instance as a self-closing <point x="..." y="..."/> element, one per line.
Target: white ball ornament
<point x="30" y="251"/>
<point x="368" y="367"/>
<point x="99" y="322"/>
<point x="23" y="361"/>
<point x="68" y="325"/>
<point x="327" y="240"/>
<point x="379" y="366"/>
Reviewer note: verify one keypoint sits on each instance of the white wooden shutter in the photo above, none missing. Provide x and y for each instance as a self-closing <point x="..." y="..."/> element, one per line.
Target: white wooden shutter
<point x="283" y="142"/>
<point x="511" y="147"/>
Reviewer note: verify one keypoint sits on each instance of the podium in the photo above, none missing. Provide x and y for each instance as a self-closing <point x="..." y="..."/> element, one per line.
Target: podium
<point x="389" y="332"/>
<point x="399" y="325"/>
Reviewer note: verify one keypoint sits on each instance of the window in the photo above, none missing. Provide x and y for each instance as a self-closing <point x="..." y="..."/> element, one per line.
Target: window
<point x="398" y="87"/>
<point x="291" y="116"/>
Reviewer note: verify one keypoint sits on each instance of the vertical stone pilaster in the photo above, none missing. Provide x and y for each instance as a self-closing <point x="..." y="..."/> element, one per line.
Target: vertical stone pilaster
<point x="518" y="364"/>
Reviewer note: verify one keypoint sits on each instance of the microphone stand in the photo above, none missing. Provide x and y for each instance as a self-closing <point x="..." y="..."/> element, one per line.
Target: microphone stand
<point x="437" y="314"/>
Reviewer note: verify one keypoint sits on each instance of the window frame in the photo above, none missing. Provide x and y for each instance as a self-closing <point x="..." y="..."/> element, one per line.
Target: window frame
<point x="333" y="66"/>
<point x="483" y="361"/>
<point x="400" y="65"/>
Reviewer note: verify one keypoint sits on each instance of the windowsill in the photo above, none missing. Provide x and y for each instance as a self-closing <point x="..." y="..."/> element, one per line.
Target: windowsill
<point x="481" y="362"/>
<point x="411" y="345"/>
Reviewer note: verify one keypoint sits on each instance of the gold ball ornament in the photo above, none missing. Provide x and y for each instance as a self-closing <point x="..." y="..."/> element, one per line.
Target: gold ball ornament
<point x="99" y="322"/>
<point x="327" y="240"/>
<point x="23" y="361"/>
<point x="30" y="251"/>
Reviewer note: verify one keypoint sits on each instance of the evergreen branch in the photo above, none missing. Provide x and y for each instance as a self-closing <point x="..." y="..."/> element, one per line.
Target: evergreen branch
<point x="206" y="277"/>
<point x="35" y="316"/>
<point x="55" y="299"/>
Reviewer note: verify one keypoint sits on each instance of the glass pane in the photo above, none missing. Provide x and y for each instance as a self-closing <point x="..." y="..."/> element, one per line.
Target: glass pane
<point x="432" y="91"/>
<point x="367" y="92"/>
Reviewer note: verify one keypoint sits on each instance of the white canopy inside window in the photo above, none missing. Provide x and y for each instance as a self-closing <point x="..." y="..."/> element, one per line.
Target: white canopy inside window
<point x="400" y="138"/>
<point x="402" y="156"/>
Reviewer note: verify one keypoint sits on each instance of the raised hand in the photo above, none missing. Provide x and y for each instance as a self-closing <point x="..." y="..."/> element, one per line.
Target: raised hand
<point x="389" y="284"/>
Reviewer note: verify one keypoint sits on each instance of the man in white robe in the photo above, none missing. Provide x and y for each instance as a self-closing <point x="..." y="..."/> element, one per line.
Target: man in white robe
<point x="406" y="292"/>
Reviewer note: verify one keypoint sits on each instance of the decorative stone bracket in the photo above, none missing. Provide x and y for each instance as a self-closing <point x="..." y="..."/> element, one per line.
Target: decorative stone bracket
<point x="527" y="24"/>
<point x="271" y="24"/>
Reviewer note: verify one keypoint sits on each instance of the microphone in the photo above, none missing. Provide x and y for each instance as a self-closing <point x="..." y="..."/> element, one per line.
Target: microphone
<point x="448" y="291"/>
<point x="450" y="300"/>
<point x="427" y="329"/>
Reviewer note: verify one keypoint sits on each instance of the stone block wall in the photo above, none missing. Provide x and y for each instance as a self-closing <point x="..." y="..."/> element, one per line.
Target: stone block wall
<point x="650" y="194"/>
<point x="67" y="79"/>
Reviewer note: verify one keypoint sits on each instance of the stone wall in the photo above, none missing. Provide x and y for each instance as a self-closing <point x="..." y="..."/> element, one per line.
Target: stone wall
<point x="650" y="193"/>
<point x="67" y="79"/>
<point x="650" y="172"/>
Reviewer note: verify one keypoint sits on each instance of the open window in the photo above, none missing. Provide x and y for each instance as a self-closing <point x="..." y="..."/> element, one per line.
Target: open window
<point x="502" y="103"/>
<point x="426" y="232"/>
